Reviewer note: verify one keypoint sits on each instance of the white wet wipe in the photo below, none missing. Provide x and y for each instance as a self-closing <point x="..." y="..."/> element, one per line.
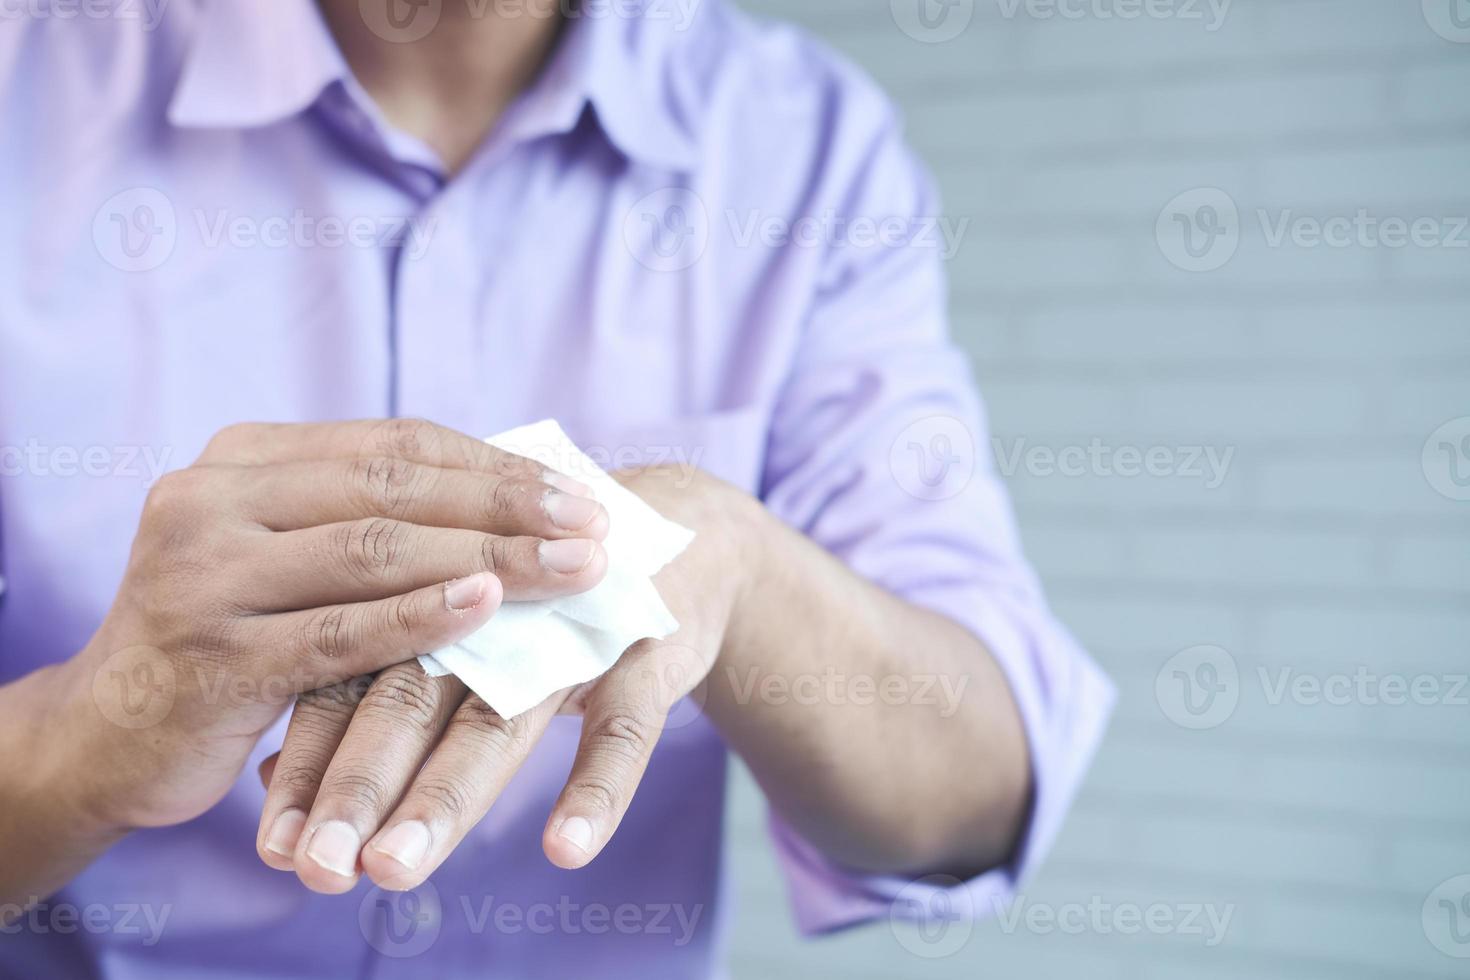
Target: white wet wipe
<point x="529" y="650"/>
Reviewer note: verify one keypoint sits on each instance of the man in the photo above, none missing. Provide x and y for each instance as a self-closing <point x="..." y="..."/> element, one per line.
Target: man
<point x="482" y="215"/>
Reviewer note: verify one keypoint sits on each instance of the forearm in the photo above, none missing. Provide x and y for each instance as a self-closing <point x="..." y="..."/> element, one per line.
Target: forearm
<point x="885" y="733"/>
<point x="47" y="832"/>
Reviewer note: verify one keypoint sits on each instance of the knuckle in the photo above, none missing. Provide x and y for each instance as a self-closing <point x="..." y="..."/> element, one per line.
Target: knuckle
<point x="328" y="704"/>
<point x="507" y="498"/>
<point x="385" y="482"/>
<point x="409" y="438"/>
<point x="373" y="546"/>
<point x="624" y="733"/>
<point x="450" y="795"/>
<point x="600" y="792"/>
<point x="233" y="437"/>
<point x="497" y="553"/>
<point x="298" y="782"/>
<point x="209" y="635"/>
<point x="401" y="615"/>
<point x="360" y="784"/>
<point x="404" y="697"/>
<point x="341" y="698"/>
<point x="501" y="737"/>
<point x="324" y="636"/>
<point x="514" y="466"/>
<point x="173" y="494"/>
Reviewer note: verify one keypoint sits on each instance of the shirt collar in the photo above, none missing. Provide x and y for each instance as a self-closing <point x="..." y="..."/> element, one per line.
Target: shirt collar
<point x="246" y="67"/>
<point x="251" y="66"/>
<point x="626" y="64"/>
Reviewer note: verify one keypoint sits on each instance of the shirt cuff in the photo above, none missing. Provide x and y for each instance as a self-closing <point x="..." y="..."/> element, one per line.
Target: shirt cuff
<point x="1064" y="701"/>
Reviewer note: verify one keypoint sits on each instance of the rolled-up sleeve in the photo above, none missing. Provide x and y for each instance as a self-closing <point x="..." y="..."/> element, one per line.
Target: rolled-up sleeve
<point x="879" y="451"/>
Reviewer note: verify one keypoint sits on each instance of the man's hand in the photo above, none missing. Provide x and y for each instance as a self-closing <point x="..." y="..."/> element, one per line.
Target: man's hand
<point x="389" y="781"/>
<point x="289" y="558"/>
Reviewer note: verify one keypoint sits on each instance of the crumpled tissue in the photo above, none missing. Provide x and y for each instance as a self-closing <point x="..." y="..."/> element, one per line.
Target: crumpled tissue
<point x="530" y="650"/>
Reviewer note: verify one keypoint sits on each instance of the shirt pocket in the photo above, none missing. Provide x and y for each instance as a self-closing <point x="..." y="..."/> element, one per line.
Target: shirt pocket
<point x="729" y="444"/>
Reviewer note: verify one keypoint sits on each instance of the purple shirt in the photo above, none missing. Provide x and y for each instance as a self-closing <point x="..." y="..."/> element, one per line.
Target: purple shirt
<point x="696" y="239"/>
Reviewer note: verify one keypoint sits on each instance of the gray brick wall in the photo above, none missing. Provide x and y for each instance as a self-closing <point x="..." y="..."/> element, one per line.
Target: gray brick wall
<point x="1326" y="820"/>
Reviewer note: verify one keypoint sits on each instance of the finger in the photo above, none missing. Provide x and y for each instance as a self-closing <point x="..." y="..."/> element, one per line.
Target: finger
<point x="292" y="775"/>
<point x="307" y="494"/>
<point x="622" y="720"/>
<point x="267" y="768"/>
<point x="377" y="557"/>
<point x="413" y="440"/>
<point x="400" y="718"/>
<point x="466" y="773"/>
<point x="313" y="648"/>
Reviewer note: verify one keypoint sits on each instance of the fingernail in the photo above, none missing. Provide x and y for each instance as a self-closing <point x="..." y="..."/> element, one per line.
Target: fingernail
<point x="335" y="846"/>
<point x="577" y="831"/>
<point x="568" y="512"/>
<point x="406" y="843"/>
<point x="285" y="831"/>
<point x="566" y="484"/>
<point x="567" y="556"/>
<point x="465" y="593"/>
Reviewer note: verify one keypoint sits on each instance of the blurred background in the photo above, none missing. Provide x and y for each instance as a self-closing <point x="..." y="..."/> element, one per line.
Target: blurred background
<point x="1216" y="287"/>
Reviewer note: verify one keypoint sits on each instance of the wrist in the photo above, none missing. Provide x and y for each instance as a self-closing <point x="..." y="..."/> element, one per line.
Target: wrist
<point x="754" y="535"/>
<point x="76" y="751"/>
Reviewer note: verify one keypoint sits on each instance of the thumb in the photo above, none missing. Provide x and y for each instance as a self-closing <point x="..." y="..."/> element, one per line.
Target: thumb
<point x="268" y="768"/>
